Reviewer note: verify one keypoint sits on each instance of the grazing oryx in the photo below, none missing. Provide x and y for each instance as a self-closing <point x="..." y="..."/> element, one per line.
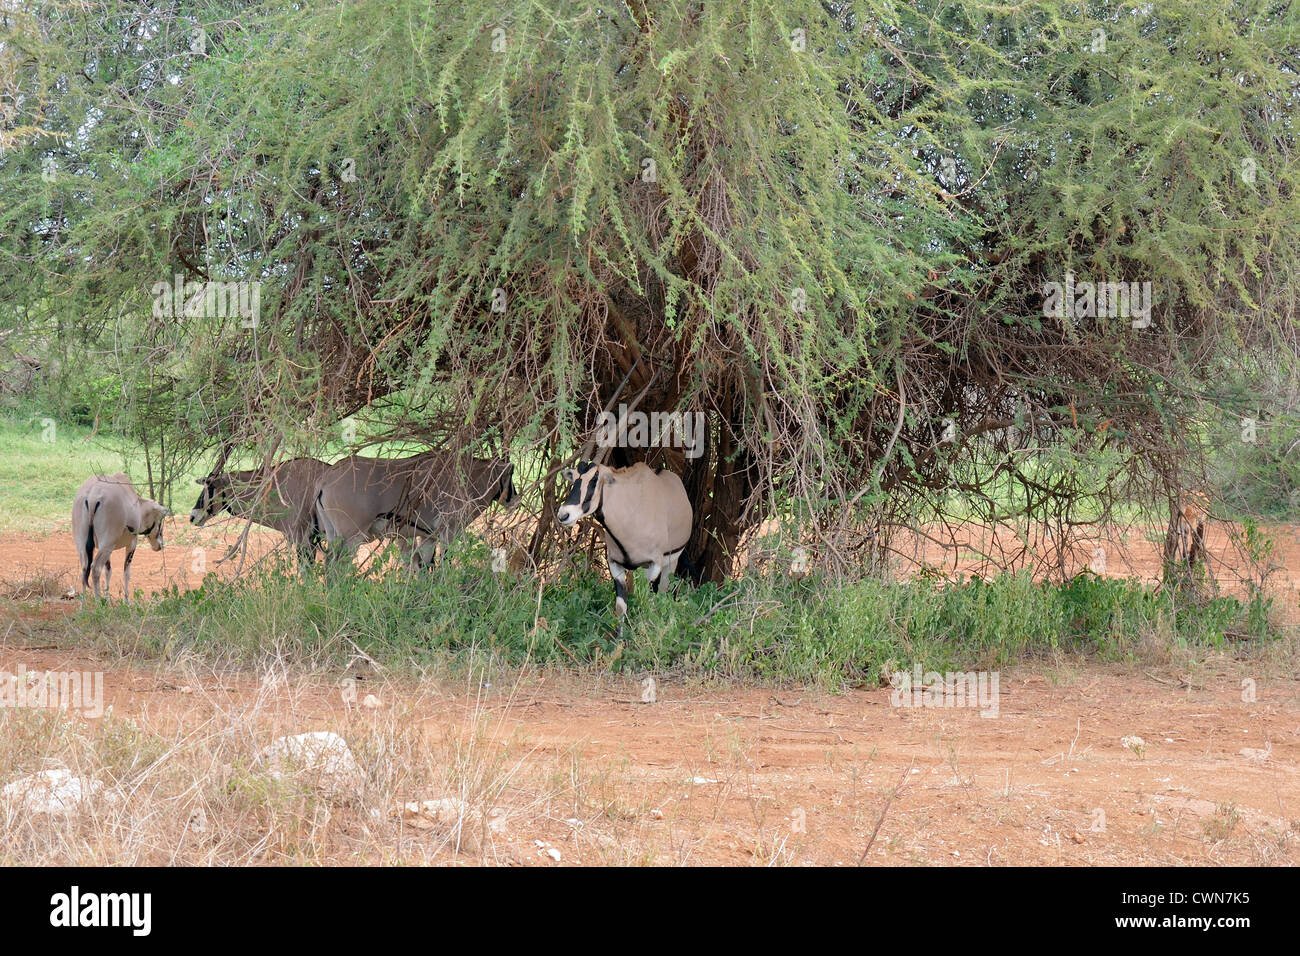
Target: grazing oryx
<point x="1189" y="528"/>
<point x="108" y="513"/>
<point x="279" y="498"/>
<point x="646" y="516"/>
<point x="432" y="496"/>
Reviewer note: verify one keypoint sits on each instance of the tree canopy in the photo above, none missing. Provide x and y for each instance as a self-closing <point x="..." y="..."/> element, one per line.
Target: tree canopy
<point x="832" y="227"/>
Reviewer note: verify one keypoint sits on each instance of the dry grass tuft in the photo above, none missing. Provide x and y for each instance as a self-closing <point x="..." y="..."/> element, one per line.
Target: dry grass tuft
<point x="36" y="584"/>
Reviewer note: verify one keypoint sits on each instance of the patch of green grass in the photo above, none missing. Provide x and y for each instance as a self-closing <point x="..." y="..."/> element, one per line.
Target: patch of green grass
<point x="754" y="628"/>
<point x="42" y="463"/>
<point x="44" y="460"/>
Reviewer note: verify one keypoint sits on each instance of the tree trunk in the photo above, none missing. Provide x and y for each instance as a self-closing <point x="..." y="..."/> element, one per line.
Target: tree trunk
<point x="719" y="483"/>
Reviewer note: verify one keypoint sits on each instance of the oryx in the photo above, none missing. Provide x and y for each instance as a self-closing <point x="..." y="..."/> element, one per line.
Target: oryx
<point x="645" y="513"/>
<point x="109" y="514"/>
<point x="431" y="496"/>
<point x="279" y="497"/>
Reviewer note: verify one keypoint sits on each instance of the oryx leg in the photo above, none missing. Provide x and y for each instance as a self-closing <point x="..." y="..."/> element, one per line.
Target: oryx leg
<point x="126" y="569"/>
<point x="620" y="592"/>
<point x="417" y="552"/>
<point x="666" y="570"/>
<point x="87" y="556"/>
<point x="619" y="574"/>
<point x="305" y="545"/>
<point x="655" y="574"/>
<point x="426" y="552"/>
<point x="430" y="533"/>
<point x="324" y="529"/>
<point x="97" y="571"/>
<point x="342" y="544"/>
<point x="420" y="538"/>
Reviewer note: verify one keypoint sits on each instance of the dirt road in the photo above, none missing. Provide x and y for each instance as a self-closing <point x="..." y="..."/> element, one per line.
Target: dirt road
<point x="1082" y="764"/>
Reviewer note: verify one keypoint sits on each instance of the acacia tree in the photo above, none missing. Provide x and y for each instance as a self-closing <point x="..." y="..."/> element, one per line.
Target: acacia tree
<point x="828" y="226"/>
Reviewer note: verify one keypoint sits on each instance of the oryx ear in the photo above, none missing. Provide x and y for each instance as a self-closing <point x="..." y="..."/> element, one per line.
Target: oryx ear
<point x="569" y="474"/>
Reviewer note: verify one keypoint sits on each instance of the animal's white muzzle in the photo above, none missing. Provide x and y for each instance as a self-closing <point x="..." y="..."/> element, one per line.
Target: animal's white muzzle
<point x="568" y="515"/>
<point x="197" y="517"/>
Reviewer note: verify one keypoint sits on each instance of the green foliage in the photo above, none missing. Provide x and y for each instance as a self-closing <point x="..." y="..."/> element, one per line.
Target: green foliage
<point x="828" y="225"/>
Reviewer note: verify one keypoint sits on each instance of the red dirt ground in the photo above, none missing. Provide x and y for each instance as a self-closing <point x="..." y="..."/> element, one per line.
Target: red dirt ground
<point x="753" y="776"/>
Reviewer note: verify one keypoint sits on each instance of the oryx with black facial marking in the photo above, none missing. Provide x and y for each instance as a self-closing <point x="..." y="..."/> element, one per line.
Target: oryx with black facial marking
<point x="421" y="500"/>
<point x="109" y="514"/>
<point x="646" y="516"/>
<point x="279" y="497"/>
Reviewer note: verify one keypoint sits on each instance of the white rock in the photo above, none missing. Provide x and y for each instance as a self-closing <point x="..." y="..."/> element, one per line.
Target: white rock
<point x="53" y="791"/>
<point x="371" y="702"/>
<point x="322" y="757"/>
<point x="553" y="853"/>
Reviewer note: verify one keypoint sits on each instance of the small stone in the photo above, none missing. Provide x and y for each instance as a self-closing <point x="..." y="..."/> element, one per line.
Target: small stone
<point x="445" y="812"/>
